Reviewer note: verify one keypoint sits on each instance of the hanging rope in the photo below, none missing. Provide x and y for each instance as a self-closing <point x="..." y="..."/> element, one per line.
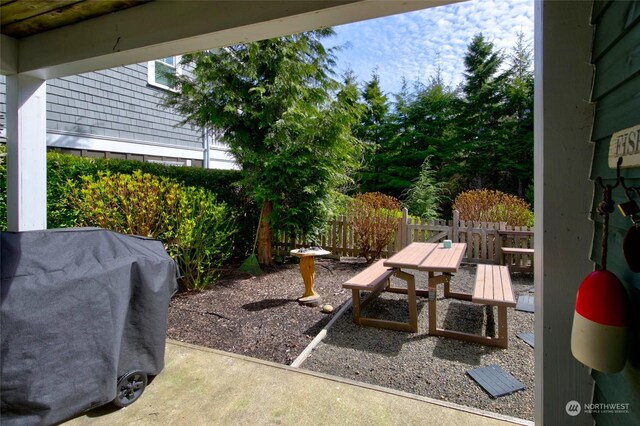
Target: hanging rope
<point x="605" y="208"/>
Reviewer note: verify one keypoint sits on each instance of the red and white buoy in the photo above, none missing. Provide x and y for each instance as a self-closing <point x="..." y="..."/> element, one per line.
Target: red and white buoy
<point x="599" y="334"/>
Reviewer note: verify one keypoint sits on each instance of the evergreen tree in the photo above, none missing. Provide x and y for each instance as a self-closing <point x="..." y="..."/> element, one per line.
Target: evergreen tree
<point x="517" y="155"/>
<point x="376" y="110"/>
<point x="373" y="131"/>
<point x="431" y="116"/>
<point x="424" y="197"/>
<point x="390" y="175"/>
<point x="481" y="112"/>
<point x="287" y="122"/>
<point x="422" y="128"/>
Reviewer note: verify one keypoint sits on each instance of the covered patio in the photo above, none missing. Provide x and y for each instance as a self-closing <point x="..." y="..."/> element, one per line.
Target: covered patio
<point x="205" y="386"/>
<point x="133" y="32"/>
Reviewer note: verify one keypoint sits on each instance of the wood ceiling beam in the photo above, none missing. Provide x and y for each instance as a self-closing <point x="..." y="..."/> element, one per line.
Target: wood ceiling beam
<point x="25" y="18"/>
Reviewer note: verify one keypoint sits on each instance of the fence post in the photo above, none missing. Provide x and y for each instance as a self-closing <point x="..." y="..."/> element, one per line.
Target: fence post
<point x="406" y="232"/>
<point x="401" y="233"/>
<point x="345" y="242"/>
<point x="455" y="224"/>
<point x="502" y="227"/>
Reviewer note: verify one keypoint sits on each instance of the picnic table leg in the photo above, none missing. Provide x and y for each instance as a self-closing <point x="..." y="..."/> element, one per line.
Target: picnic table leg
<point x="411" y="296"/>
<point x="433" y="315"/>
<point x="503" y="331"/>
<point x="355" y="305"/>
<point x="308" y="272"/>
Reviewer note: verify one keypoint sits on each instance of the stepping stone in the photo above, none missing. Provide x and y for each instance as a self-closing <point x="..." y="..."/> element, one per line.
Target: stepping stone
<point x="495" y="381"/>
<point x="525" y="303"/>
<point x="527" y="337"/>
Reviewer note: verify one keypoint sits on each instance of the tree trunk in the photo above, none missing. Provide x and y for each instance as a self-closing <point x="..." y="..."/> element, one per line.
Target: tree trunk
<point x="264" y="236"/>
<point x="520" y="189"/>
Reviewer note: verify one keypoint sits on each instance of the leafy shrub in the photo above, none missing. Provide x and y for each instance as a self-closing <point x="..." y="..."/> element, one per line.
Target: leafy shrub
<point x="62" y="168"/>
<point x="339" y="203"/>
<point x="375" y="220"/>
<point x="138" y="204"/>
<point x="203" y="237"/>
<point x="486" y="205"/>
<point x="195" y="229"/>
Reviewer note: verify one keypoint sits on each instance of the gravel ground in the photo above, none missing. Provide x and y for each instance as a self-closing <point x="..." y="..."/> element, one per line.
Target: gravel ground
<point x="260" y="317"/>
<point x="433" y="366"/>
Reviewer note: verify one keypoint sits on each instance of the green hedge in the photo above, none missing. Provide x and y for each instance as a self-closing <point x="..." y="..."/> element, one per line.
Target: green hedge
<point x="225" y="184"/>
<point x="63" y="167"/>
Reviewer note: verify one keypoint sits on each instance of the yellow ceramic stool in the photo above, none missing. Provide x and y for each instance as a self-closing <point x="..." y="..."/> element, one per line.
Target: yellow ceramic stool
<point x="308" y="272"/>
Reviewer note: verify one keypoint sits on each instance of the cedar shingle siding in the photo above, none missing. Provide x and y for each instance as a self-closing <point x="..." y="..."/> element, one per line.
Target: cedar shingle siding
<point x="113" y="103"/>
<point x="116" y="103"/>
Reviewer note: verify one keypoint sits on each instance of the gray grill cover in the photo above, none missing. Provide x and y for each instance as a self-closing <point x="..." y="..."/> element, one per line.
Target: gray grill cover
<point x="79" y="308"/>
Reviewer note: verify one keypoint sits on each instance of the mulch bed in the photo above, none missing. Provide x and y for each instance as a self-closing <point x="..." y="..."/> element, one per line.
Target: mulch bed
<point x="260" y="316"/>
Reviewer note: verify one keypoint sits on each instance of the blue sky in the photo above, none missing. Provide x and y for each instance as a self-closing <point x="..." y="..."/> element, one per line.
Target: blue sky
<point x="413" y="44"/>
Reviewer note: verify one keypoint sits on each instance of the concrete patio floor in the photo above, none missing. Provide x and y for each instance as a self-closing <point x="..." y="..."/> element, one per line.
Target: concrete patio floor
<point x="201" y="386"/>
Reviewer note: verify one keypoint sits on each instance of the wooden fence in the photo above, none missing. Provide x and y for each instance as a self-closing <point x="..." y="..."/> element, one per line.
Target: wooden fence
<point x="484" y="239"/>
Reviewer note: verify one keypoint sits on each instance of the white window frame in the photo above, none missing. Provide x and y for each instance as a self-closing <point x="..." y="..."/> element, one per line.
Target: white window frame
<point x="151" y="72"/>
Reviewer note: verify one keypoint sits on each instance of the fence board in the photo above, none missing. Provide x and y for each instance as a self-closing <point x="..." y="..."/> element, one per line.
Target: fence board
<point x="484" y="240"/>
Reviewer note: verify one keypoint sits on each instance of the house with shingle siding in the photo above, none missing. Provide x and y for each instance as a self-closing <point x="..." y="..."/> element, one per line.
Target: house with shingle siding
<point x="116" y="113"/>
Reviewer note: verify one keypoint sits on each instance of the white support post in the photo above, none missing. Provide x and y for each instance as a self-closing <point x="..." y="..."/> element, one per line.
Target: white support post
<point x="563" y="197"/>
<point x="26" y="153"/>
<point x="206" y="148"/>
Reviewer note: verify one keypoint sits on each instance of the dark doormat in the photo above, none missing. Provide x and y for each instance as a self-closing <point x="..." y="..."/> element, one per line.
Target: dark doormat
<point x="525" y="303"/>
<point x="495" y="381"/>
<point x="527" y="337"/>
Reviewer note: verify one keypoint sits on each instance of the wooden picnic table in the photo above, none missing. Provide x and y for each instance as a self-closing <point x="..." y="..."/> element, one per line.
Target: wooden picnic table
<point x="433" y="258"/>
<point x="375" y="279"/>
<point x="492" y="288"/>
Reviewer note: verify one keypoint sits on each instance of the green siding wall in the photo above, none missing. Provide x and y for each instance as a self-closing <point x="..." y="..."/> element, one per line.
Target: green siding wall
<point x="616" y="92"/>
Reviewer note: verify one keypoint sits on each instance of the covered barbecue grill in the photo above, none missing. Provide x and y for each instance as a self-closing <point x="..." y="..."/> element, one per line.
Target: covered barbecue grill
<point x="83" y="317"/>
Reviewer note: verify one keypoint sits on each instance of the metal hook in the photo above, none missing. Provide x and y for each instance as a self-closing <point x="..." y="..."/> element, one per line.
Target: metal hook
<point x="618" y="178"/>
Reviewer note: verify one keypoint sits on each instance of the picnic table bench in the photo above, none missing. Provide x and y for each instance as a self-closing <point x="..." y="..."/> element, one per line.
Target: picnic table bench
<point x="374" y="280"/>
<point x="516" y="257"/>
<point x="493" y="288"/>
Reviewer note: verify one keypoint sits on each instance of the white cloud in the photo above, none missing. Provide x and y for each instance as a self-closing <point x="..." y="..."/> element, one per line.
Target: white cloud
<point x="413" y="44"/>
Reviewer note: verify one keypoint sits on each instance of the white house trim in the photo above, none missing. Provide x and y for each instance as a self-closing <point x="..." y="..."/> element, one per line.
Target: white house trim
<point x="225" y="164"/>
<point x="72" y="140"/>
<point x="218" y="158"/>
